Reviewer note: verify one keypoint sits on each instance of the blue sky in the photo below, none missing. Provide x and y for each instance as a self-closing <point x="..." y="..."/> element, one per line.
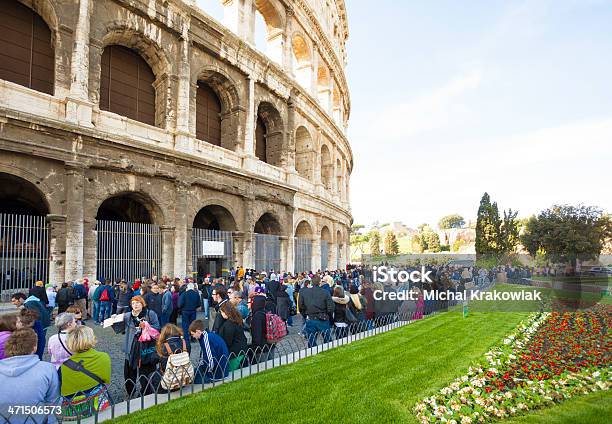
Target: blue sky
<point x="451" y="99"/>
<point x="454" y="98"/>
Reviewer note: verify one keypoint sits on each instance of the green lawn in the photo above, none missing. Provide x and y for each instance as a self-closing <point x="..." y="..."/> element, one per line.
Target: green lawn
<point x="374" y="380"/>
<point x="591" y="409"/>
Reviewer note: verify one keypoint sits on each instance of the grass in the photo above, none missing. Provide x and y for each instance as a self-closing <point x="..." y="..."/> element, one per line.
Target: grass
<point x="594" y="408"/>
<point x="375" y="380"/>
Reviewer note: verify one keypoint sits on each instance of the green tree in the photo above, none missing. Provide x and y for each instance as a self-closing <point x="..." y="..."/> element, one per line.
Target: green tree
<point x="567" y="234"/>
<point x="417" y="244"/>
<point x="509" y="232"/>
<point x="433" y="241"/>
<point x="391" y="244"/>
<point x="488" y="226"/>
<point x="374" y="243"/>
<point x="451" y="221"/>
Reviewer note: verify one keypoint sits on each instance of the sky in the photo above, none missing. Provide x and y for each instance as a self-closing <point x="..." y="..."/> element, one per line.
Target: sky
<point x="451" y="99"/>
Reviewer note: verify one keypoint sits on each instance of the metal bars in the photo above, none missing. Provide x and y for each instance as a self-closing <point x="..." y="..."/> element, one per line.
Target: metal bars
<point x="303" y="254"/>
<point x="198" y="235"/>
<point x="267" y="252"/>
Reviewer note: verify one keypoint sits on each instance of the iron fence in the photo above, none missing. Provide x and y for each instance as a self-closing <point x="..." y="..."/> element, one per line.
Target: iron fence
<point x="128" y="250"/>
<point x="24" y="252"/>
<point x="324" y="254"/>
<point x="267" y="252"/>
<point x="146" y="390"/>
<point x="303" y="255"/>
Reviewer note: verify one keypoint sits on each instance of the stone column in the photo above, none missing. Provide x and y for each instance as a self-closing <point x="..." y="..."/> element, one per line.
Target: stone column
<point x="239" y="17"/>
<point x="316" y="252"/>
<point x="90" y="244"/>
<point x="167" y="239"/>
<point x="190" y="266"/>
<point x="183" y="140"/>
<point x="314" y="86"/>
<point x="249" y="250"/>
<point x="75" y="192"/>
<point x="56" y="225"/>
<point x="290" y="148"/>
<point x="249" y="125"/>
<point x="288" y="41"/>
<point x="238" y="237"/>
<point x="78" y="107"/>
<point x="181" y="241"/>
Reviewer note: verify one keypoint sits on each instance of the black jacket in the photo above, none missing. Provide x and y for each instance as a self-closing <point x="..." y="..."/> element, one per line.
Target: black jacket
<point x="40" y="293"/>
<point x="154" y="302"/>
<point x="314" y="301"/>
<point x="258" y="322"/>
<point x="234" y="337"/>
<point x="189" y="301"/>
<point x="64" y="296"/>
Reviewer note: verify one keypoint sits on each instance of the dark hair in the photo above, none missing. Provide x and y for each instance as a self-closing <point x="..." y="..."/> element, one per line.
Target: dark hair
<point x="353" y="289"/>
<point x="338" y="291"/>
<point x="8" y="322"/>
<point x="19" y="296"/>
<point x="28" y="316"/>
<point x="169" y="330"/>
<point x="315" y="280"/>
<point x="21" y="342"/>
<point x="196" y="325"/>
<point x="232" y="313"/>
<point x="220" y="291"/>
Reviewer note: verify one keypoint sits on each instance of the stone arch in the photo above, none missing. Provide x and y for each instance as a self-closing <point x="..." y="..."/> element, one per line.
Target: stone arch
<point x="323" y="85"/>
<point x="268" y="223"/>
<point x="273" y="13"/>
<point x="225" y="206"/>
<point x="269" y="134"/>
<point x="304" y="230"/>
<point x="51" y="203"/>
<point x="226" y="91"/>
<point x="326" y="167"/>
<point x="46" y="10"/>
<point x="304" y="148"/>
<point x="302" y="60"/>
<point x="339" y="177"/>
<point x="21" y="196"/>
<point x="142" y="208"/>
<point x="326" y="234"/>
<point x="215" y="217"/>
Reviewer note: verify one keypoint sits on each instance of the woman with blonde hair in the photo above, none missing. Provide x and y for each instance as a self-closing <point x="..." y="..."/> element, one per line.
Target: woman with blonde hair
<point x="85" y="375"/>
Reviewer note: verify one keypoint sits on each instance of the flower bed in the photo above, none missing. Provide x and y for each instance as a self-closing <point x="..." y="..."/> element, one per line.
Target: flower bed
<point x="548" y="358"/>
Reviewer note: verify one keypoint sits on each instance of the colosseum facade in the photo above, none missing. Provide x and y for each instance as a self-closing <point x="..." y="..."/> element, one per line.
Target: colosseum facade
<point x="142" y="137"/>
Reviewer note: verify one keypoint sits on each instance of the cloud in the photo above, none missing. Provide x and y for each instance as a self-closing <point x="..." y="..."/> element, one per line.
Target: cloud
<point x="437" y="109"/>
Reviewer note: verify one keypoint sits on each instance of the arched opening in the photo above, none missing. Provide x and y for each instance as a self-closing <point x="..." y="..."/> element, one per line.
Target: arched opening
<point x="125" y="208"/>
<point x="339" y="176"/>
<point x="212" y="241"/>
<point x="325" y="247"/>
<point x="24" y="236"/>
<point x="27" y="55"/>
<point x="269" y="29"/>
<point x="126" y="84"/>
<point x="269" y="134"/>
<point x="129" y="241"/>
<point x="267" y="243"/>
<point x="208" y="114"/>
<point x="337" y="107"/>
<point x="303" y="247"/>
<point x="326" y="167"/>
<point x="323" y="86"/>
<point x="302" y="61"/>
<point x="304" y="149"/>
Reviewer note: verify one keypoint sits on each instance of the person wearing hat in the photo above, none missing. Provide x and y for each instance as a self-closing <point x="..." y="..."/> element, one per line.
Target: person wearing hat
<point x="39" y="291"/>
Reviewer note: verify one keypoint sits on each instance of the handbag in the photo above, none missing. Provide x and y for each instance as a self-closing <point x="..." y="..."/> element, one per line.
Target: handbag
<point x="85" y="404"/>
<point x="350" y="316"/>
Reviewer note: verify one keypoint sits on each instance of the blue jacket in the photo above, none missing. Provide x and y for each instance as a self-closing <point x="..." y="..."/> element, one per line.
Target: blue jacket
<point x="100" y="289"/>
<point x="219" y="368"/>
<point x="29" y="381"/>
<point x="35" y="304"/>
<point x="167" y="303"/>
<point x="189" y="301"/>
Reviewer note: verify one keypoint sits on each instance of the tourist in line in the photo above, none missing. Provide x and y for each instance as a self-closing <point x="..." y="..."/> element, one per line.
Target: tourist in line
<point x="123" y="297"/>
<point x="106" y="296"/>
<point x="57" y="345"/>
<point x="316" y="307"/>
<point x="64" y="298"/>
<point x="232" y="332"/>
<point x="189" y="302"/>
<point x="78" y="313"/>
<point x="28" y="318"/>
<point x="218" y="295"/>
<point x="339" y="318"/>
<point x="85" y="374"/>
<point x="39" y="291"/>
<point x="166" y="304"/>
<point x="32" y="302"/>
<point x="133" y="323"/>
<point x="25" y="378"/>
<point x="8" y="324"/>
<point x="213" y="361"/>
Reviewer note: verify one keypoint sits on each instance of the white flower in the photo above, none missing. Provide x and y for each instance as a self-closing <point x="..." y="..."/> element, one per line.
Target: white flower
<point x="466" y="420"/>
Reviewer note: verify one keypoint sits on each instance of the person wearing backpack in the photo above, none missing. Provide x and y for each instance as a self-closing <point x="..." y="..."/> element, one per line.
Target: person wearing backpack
<point x="107" y="295"/>
<point x="85" y="374"/>
<point x="175" y="368"/>
<point x="260" y="348"/>
<point x="64" y="298"/>
<point x="80" y="296"/>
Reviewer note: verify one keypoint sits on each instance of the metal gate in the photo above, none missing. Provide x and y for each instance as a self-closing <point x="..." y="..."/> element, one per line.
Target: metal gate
<point x="267" y="252"/>
<point x="339" y="264"/>
<point x="24" y="252"/>
<point x="324" y="254"/>
<point x="199" y="235"/>
<point x="303" y="255"/>
<point x="128" y="250"/>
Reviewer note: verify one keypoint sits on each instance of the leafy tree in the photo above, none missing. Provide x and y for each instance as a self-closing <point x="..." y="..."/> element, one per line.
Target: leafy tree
<point x="433" y="241"/>
<point x="509" y="232"/>
<point x="451" y="221"/>
<point x="374" y="243"/>
<point x="567" y="234"/>
<point x="457" y="245"/>
<point x="391" y="244"/>
<point x="356" y="228"/>
<point x="422" y="227"/>
<point x="417" y="244"/>
<point x="487" y="227"/>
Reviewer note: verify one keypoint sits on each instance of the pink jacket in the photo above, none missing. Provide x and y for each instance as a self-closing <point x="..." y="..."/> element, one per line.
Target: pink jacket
<point x="4" y="335"/>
